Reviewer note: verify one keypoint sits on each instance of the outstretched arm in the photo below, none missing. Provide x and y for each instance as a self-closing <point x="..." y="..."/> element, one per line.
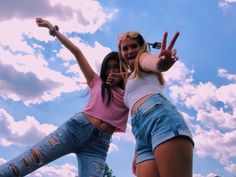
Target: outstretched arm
<point x="162" y="62"/>
<point x="82" y="61"/>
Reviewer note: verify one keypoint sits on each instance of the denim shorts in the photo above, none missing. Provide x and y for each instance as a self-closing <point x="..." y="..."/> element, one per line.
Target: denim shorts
<point x="78" y="136"/>
<point x="154" y="122"/>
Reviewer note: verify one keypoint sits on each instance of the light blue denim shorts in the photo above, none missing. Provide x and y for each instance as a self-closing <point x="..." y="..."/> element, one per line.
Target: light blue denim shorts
<point x="154" y="122"/>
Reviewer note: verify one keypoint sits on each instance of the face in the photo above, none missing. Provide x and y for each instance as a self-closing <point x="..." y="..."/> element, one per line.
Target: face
<point x="129" y="50"/>
<point x="112" y="67"/>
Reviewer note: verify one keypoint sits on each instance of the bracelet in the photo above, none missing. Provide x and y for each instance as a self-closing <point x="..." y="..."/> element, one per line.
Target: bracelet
<point x="53" y="30"/>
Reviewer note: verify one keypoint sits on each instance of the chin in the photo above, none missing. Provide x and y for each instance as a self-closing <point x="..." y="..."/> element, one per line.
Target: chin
<point x="131" y="64"/>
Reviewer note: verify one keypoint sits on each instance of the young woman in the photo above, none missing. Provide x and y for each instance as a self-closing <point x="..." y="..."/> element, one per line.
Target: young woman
<point x="164" y="144"/>
<point x="88" y="133"/>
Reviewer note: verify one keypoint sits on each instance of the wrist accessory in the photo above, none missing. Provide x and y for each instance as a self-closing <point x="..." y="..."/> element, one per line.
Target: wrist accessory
<point x="53" y="30"/>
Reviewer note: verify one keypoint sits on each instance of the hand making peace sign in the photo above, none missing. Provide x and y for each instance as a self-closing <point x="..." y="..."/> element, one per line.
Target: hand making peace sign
<point x="167" y="56"/>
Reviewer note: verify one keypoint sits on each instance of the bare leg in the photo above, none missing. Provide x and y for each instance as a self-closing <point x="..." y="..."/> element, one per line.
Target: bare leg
<point x="147" y="168"/>
<point x="174" y="158"/>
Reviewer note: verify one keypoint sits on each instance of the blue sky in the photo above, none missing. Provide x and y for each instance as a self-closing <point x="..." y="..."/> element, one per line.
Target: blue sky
<point x="41" y="85"/>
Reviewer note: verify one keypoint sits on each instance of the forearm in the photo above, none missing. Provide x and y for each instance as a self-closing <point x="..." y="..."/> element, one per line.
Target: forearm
<point x="148" y="62"/>
<point x="68" y="44"/>
<point x="153" y="63"/>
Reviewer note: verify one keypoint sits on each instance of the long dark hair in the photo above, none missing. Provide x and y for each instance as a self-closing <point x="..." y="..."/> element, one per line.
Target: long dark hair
<point x="106" y="90"/>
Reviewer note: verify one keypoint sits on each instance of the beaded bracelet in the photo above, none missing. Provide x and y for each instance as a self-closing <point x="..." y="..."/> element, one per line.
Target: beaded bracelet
<point x="53" y="30"/>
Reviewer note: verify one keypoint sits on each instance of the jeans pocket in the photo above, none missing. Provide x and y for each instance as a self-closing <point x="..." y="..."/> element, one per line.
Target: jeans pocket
<point x="81" y="120"/>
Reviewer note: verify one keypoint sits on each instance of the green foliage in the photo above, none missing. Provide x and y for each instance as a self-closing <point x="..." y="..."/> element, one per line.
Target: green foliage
<point x="107" y="171"/>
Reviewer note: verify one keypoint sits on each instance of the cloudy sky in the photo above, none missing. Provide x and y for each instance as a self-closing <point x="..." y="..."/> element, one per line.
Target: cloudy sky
<point x="41" y="85"/>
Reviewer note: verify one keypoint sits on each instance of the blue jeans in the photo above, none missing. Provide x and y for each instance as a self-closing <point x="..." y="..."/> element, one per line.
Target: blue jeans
<point x="77" y="136"/>
<point x="154" y="122"/>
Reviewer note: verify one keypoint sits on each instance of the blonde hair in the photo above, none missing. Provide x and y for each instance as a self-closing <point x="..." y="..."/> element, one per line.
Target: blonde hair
<point x="137" y="69"/>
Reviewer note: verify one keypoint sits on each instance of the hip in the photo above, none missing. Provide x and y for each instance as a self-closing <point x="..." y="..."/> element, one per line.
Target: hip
<point x="104" y="126"/>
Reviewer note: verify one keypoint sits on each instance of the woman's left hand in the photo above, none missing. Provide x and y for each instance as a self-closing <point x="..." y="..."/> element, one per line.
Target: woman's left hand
<point x="167" y="56"/>
<point x="43" y="23"/>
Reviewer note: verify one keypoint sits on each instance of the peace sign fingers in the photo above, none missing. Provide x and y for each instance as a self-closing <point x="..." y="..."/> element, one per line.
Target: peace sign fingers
<point x="163" y="44"/>
<point x="172" y="42"/>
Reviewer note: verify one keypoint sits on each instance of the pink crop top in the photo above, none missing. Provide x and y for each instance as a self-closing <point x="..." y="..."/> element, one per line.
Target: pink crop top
<point x="115" y="113"/>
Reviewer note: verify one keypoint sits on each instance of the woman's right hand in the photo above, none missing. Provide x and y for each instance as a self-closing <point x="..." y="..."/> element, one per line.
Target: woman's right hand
<point x="43" y="23"/>
<point x="167" y="55"/>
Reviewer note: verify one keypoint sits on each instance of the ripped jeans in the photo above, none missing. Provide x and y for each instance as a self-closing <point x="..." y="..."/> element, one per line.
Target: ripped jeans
<point x="78" y="136"/>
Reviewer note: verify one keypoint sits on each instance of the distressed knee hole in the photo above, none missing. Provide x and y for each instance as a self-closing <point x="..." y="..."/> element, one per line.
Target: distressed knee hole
<point x="36" y="155"/>
<point x="14" y="170"/>
<point x="26" y="162"/>
<point x="53" y="141"/>
<point x="98" y="166"/>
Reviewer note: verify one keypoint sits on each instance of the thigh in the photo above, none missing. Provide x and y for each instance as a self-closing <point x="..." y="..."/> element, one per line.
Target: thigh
<point x="147" y="168"/>
<point x="90" y="165"/>
<point x="175" y="154"/>
<point x="92" y="156"/>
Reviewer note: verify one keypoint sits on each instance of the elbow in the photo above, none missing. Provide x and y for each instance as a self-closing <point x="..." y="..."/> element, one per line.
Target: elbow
<point x="76" y="51"/>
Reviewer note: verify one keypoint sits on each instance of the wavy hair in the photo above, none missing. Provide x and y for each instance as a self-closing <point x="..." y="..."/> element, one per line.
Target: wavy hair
<point x="137" y="69"/>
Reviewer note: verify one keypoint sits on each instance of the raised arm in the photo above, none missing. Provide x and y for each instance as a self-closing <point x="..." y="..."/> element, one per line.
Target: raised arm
<point x="162" y="62"/>
<point x="82" y="61"/>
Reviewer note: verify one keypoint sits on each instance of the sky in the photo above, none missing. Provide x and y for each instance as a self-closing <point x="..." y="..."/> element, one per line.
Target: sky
<point x="41" y="85"/>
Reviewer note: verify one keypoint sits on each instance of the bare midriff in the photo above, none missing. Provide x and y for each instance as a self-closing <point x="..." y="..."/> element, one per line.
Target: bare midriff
<point x="138" y="103"/>
<point x="100" y="124"/>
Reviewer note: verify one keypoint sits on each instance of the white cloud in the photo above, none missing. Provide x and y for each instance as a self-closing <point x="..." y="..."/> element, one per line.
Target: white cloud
<point x="28" y="79"/>
<point x="224" y="73"/>
<point x="231" y="168"/>
<point x="178" y="73"/>
<point x="127" y="136"/>
<point x="94" y="55"/>
<point x="214" y="107"/>
<point x="193" y="96"/>
<point x="79" y="15"/>
<point x="52" y="170"/>
<point x="15" y="40"/>
<point x="226" y="3"/>
<point x="113" y="147"/>
<point x="55" y="171"/>
<point x="213" y="143"/>
<point x="24" y="132"/>
<point x="42" y="82"/>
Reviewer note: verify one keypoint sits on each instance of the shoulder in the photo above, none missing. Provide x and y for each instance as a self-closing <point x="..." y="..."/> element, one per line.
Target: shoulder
<point x="95" y="80"/>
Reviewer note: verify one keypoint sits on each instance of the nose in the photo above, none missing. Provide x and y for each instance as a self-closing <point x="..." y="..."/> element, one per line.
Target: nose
<point x="111" y="69"/>
<point x="130" y="50"/>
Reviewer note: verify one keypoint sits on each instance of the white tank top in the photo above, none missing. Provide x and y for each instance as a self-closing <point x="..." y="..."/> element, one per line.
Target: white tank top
<point x="138" y="87"/>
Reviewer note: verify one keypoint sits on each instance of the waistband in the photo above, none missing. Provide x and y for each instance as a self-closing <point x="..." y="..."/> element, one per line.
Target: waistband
<point x="87" y="120"/>
<point x="154" y="99"/>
